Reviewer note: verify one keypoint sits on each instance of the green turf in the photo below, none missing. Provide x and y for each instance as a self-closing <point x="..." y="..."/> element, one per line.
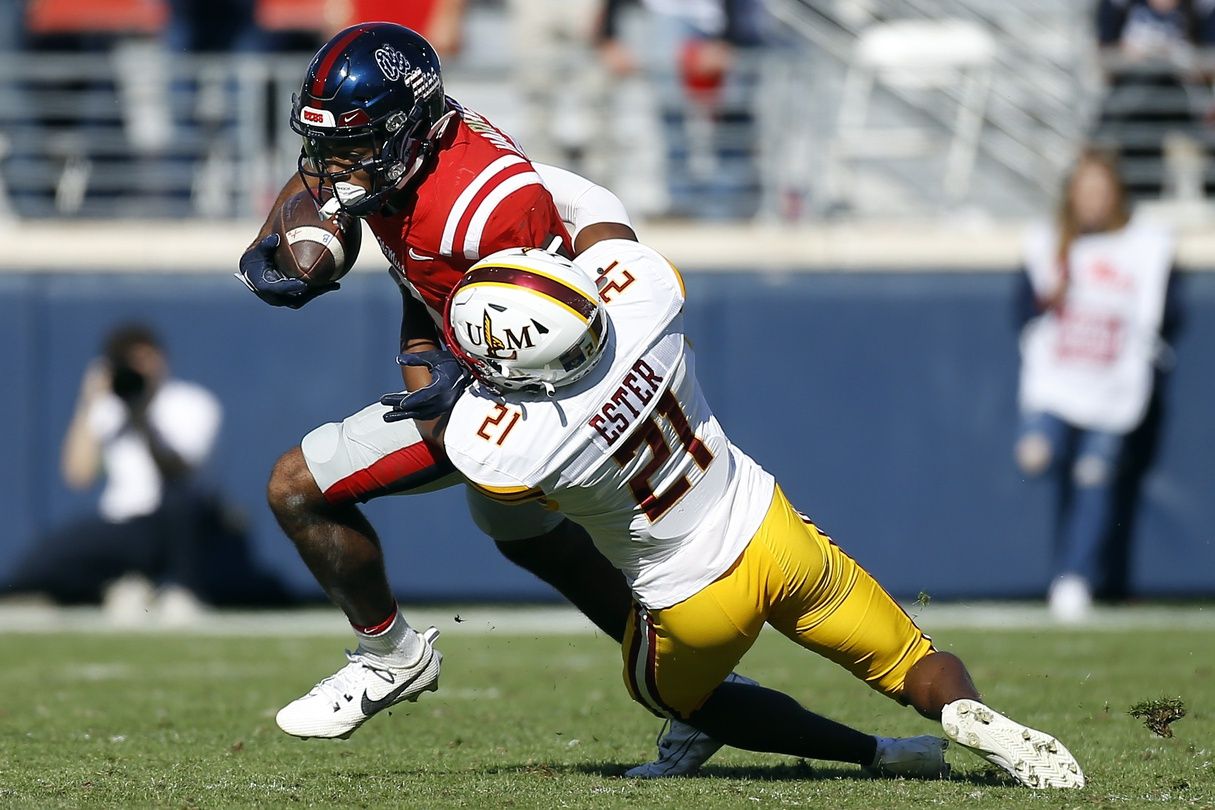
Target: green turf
<point x="120" y="720"/>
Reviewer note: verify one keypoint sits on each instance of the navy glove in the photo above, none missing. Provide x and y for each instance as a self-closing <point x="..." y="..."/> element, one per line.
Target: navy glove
<point x="448" y="380"/>
<point x="258" y="272"/>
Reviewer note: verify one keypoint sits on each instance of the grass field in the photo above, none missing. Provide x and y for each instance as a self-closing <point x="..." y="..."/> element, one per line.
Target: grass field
<point x="524" y="719"/>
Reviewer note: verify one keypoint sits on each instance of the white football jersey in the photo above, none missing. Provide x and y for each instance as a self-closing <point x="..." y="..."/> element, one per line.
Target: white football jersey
<point x="632" y="451"/>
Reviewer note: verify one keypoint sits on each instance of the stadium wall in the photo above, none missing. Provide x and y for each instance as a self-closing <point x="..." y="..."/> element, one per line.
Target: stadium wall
<point x="883" y="402"/>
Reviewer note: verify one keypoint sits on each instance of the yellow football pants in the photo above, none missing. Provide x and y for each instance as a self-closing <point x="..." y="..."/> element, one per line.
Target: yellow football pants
<point x="794" y="578"/>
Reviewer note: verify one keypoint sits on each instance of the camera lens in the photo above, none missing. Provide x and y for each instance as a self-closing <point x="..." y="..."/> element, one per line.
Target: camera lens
<point x="128" y="383"/>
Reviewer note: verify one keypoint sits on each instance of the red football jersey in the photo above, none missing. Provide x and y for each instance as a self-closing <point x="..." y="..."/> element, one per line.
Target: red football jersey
<point x="482" y="195"/>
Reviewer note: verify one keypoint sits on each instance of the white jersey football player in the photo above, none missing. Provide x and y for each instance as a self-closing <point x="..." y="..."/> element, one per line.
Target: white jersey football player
<point x="586" y="399"/>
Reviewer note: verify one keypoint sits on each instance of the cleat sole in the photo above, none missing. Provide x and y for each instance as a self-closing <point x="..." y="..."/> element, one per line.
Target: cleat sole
<point x="1035" y="759"/>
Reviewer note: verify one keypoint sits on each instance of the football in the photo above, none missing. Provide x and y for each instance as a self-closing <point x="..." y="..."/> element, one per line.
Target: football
<point x="315" y="249"/>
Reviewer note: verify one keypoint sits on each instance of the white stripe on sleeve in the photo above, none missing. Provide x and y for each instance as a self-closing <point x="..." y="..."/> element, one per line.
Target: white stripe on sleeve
<point x="476" y="226"/>
<point x="466" y="197"/>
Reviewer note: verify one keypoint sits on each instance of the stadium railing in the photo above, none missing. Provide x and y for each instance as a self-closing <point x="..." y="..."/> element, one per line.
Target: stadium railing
<point x="136" y="133"/>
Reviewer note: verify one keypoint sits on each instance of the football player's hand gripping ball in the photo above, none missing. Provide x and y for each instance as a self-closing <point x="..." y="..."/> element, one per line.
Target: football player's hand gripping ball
<point x="448" y="379"/>
<point x="259" y="274"/>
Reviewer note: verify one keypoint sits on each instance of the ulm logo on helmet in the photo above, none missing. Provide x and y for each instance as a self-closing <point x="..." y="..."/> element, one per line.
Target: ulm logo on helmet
<point x="495" y="346"/>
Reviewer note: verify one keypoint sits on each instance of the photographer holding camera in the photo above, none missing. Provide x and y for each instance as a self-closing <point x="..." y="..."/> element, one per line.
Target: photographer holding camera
<point x="146" y="435"/>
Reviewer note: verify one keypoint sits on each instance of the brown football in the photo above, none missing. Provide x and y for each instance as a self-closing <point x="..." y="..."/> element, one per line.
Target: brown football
<point x="319" y="251"/>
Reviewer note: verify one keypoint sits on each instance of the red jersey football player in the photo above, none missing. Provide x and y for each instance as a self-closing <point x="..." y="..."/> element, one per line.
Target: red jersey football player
<point x="440" y="187"/>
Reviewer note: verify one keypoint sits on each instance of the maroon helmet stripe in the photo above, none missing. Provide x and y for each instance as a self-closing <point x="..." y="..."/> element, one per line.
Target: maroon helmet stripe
<point x="544" y="285"/>
<point x="326" y="65"/>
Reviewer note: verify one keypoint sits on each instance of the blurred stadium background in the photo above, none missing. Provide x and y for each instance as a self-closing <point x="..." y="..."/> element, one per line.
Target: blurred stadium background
<point x="847" y="209"/>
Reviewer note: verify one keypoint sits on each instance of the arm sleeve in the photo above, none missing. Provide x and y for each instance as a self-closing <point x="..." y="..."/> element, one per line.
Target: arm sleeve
<point x="580" y="202"/>
<point x="416" y="322"/>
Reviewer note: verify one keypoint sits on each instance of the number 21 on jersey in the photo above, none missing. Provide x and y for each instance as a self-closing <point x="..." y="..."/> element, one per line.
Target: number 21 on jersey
<point x="612" y="280"/>
<point x="499" y="423"/>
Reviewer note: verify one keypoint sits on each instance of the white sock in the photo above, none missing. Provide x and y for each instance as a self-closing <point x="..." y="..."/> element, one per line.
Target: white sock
<point x="399" y="643"/>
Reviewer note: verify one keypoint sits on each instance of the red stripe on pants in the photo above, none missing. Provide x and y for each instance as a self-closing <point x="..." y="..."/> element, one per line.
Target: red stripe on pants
<point x="385" y="472"/>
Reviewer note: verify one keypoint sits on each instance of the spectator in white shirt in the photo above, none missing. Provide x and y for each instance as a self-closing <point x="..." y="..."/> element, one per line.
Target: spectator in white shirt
<point x="146" y="435"/>
<point x="1098" y="296"/>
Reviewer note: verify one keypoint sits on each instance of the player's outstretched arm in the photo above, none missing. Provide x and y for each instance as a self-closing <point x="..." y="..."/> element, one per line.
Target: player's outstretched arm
<point x="592" y="212"/>
<point x="433" y="378"/>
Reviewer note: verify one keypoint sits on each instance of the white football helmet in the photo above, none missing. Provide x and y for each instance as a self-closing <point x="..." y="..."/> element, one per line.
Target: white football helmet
<point x="526" y="320"/>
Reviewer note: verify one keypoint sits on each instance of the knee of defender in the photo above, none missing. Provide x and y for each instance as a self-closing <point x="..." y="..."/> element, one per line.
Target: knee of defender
<point x="1092" y="471"/>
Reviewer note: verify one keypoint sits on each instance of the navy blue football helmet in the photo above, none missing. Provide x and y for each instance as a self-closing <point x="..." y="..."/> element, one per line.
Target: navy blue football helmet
<point x="372" y="100"/>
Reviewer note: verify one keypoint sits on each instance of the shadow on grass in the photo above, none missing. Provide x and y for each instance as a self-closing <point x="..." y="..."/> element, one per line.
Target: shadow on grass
<point x="787" y="772"/>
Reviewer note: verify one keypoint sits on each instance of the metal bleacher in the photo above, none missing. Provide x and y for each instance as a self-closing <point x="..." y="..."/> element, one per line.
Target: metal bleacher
<point x="1043" y="93"/>
<point x="130" y="131"/>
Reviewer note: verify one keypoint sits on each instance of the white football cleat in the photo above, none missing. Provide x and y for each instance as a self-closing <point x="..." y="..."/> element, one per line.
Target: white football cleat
<point x="338" y="705"/>
<point x="1033" y="758"/>
<point x="681" y="751"/>
<point x="912" y="757"/>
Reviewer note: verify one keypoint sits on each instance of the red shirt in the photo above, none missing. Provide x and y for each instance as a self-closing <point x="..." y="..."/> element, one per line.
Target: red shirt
<point x="481" y="196"/>
<point x="413" y="14"/>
